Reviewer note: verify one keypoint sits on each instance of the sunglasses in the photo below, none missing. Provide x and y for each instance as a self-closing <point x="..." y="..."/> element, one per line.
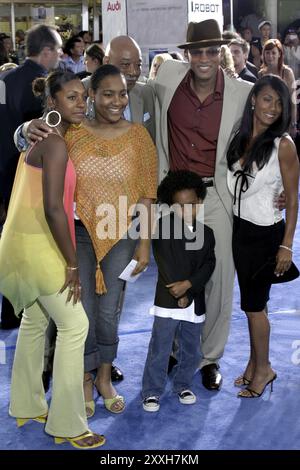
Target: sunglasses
<point x="210" y="52"/>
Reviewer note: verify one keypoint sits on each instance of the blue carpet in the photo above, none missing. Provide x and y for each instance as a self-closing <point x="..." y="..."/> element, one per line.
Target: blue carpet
<point x="219" y="420"/>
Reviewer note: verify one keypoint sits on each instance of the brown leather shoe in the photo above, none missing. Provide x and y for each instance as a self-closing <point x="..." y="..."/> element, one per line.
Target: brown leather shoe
<point x="211" y="377"/>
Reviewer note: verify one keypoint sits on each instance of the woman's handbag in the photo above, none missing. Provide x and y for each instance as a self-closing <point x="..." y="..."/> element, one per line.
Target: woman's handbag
<point x="266" y="273"/>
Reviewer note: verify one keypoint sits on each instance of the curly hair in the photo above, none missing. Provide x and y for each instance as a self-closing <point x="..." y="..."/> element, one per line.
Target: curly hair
<point x="179" y="181"/>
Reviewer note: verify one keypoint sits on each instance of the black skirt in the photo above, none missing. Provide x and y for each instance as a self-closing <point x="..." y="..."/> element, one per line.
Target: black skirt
<point x="252" y="246"/>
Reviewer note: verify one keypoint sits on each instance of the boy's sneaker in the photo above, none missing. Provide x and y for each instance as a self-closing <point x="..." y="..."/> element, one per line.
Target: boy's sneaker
<point x="151" y="404"/>
<point x="187" y="397"/>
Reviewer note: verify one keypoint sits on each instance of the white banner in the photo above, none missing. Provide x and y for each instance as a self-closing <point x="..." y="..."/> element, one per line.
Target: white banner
<point x="114" y="19"/>
<point x="156" y="25"/>
<point x="157" y="21"/>
<point x="206" y="10"/>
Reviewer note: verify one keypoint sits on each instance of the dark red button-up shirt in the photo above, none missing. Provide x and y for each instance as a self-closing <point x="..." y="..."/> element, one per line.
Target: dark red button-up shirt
<point x="194" y="127"/>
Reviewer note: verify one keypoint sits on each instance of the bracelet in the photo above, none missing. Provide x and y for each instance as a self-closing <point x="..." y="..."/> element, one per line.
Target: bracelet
<point x="286" y="248"/>
<point x="72" y="268"/>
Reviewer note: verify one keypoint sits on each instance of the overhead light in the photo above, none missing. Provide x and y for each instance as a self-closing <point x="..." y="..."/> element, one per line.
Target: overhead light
<point x="57" y="17"/>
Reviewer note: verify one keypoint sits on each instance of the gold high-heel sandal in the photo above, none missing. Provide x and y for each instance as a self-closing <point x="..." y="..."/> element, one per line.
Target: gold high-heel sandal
<point x="89" y="405"/>
<point x="74" y="440"/>
<point x="40" y="419"/>
<point x="90" y="408"/>
<point x="109" y="403"/>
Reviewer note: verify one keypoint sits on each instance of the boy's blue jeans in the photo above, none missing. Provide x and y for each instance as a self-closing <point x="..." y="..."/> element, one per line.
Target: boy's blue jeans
<point x="160" y="347"/>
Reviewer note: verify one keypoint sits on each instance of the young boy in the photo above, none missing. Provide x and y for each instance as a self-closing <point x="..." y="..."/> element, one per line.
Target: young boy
<point x="185" y="264"/>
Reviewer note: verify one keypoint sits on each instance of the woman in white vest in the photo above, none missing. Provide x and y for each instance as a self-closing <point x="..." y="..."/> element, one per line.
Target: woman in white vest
<point x="262" y="162"/>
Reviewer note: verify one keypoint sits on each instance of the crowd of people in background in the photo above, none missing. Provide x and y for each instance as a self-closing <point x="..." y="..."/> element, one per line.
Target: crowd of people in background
<point x="73" y="55"/>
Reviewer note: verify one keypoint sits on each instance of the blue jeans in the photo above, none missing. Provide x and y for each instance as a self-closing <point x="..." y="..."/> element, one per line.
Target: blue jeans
<point x="160" y="347"/>
<point x="103" y="311"/>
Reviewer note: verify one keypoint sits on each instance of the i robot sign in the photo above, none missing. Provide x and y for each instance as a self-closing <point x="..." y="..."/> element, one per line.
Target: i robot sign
<point x="205" y="10"/>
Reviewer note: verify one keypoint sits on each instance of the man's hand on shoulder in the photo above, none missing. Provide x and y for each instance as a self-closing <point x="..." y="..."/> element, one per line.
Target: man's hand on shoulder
<point x="280" y="201"/>
<point x="36" y="131"/>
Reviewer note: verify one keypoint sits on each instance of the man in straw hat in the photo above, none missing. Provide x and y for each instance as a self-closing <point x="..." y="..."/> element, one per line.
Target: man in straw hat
<point x="199" y="106"/>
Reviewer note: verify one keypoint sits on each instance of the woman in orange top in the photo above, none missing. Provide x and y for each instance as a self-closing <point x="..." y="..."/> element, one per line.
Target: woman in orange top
<point x="38" y="261"/>
<point x="116" y="168"/>
<point x="272" y="55"/>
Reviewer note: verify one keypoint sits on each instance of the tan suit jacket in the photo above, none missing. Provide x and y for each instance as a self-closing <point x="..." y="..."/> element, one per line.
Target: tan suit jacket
<point x="170" y="74"/>
<point x="142" y="106"/>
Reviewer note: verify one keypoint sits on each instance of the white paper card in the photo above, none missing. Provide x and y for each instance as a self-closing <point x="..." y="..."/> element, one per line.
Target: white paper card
<point x="126" y="274"/>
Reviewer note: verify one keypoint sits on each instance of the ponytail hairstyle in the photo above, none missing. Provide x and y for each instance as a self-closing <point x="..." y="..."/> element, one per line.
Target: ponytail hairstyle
<point x="101" y="73"/>
<point x="259" y="150"/>
<point x="95" y="52"/>
<point x="48" y="87"/>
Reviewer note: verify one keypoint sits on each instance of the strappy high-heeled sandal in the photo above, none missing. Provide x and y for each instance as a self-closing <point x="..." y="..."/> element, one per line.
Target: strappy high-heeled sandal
<point x="40" y="419"/>
<point x="253" y="393"/>
<point x="241" y="380"/>
<point x="110" y="402"/>
<point x="89" y="405"/>
<point x="74" y="440"/>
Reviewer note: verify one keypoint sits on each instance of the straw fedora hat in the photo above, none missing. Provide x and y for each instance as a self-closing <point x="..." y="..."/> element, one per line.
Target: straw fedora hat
<point x="204" y="34"/>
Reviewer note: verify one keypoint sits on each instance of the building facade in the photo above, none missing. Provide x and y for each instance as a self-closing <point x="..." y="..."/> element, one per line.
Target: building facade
<point x="79" y="15"/>
<point x="68" y="15"/>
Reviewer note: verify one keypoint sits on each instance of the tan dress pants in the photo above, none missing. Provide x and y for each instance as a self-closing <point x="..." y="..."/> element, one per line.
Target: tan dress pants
<point x="219" y="289"/>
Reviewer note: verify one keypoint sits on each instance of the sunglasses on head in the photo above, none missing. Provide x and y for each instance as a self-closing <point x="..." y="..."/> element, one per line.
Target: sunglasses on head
<point x="209" y="52"/>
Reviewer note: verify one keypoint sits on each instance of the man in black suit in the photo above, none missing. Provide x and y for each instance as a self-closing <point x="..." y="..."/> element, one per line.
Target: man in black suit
<point x="239" y="49"/>
<point x="18" y="104"/>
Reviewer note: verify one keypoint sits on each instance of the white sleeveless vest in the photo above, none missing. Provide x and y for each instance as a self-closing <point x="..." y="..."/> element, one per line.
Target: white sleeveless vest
<point x="255" y="194"/>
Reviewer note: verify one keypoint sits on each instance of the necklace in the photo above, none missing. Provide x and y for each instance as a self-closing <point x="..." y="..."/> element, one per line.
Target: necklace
<point x="57" y="131"/>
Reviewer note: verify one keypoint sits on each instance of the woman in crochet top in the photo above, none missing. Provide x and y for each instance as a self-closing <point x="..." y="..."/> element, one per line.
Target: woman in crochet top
<point x="116" y="168"/>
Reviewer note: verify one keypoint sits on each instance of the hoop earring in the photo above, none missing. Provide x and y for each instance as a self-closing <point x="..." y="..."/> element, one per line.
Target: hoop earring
<point x="48" y="116"/>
